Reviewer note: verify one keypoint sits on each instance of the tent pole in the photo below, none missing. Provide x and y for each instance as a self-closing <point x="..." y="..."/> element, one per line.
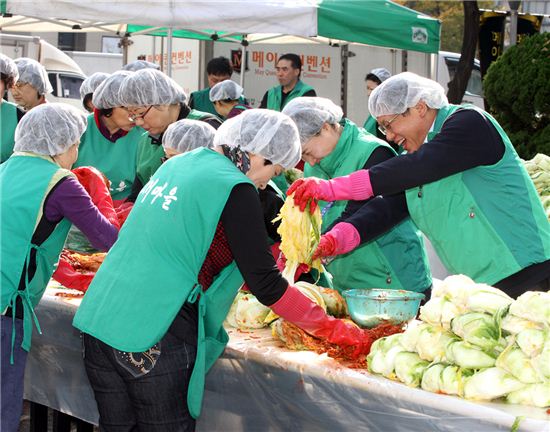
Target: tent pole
<point x="169" y="49"/>
<point x="244" y="44"/>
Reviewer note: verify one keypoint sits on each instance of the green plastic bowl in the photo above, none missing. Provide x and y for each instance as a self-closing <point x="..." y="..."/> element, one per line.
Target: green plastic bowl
<point x="371" y="307"/>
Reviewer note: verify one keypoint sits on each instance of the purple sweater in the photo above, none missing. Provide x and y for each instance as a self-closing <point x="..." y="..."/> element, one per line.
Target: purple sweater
<point x="69" y="199"/>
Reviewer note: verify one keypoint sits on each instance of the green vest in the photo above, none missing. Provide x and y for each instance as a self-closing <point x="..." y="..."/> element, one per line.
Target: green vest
<point x="149" y="155"/>
<point x="396" y="259"/>
<point x="149" y="274"/>
<point x="201" y="101"/>
<point x="371" y="126"/>
<point x="8" y="123"/>
<point x="25" y="181"/>
<point x="117" y="160"/>
<point x="274" y="95"/>
<point x="486" y="222"/>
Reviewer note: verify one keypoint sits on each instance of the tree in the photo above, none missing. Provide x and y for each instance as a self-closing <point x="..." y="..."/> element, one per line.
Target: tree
<point x="457" y="86"/>
<point x="517" y="87"/>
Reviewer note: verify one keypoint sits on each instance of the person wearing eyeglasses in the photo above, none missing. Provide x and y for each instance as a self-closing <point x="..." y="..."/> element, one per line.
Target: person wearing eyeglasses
<point x="33" y="84"/>
<point x="334" y="146"/>
<point x="466" y="189"/>
<point x="10" y="114"/>
<point x="154" y="101"/>
<point x="152" y="318"/>
<point x="110" y="142"/>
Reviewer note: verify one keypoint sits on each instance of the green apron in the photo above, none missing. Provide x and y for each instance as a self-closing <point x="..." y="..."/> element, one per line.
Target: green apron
<point x="396" y="259"/>
<point x="8" y="123"/>
<point x="149" y="155"/>
<point x="274" y="95"/>
<point x="201" y="101"/>
<point x="486" y="222"/>
<point x="149" y="274"/>
<point x="25" y="181"/>
<point x="117" y="160"/>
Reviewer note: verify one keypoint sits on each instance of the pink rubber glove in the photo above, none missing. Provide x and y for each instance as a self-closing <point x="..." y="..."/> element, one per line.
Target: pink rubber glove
<point x="355" y="186"/>
<point x="296" y="308"/>
<point x="341" y="239"/>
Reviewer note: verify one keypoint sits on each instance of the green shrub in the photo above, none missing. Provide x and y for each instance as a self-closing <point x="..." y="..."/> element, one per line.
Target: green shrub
<point x="517" y="88"/>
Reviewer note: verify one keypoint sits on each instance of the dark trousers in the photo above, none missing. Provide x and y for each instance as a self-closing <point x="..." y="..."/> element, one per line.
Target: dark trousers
<point x="144" y="392"/>
<point x="12" y="377"/>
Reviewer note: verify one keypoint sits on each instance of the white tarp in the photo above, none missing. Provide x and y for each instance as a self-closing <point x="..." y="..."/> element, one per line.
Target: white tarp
<point x="295" y="17"/>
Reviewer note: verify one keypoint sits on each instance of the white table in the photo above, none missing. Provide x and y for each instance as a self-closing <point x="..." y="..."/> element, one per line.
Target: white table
<point x="259" y="386"/>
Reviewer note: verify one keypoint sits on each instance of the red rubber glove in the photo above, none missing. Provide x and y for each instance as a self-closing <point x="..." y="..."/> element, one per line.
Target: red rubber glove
<point x="356" y="186"/>
<point x="341" y="239"/>
<point x="97" y="186"/>
<point x="295" y="307"/>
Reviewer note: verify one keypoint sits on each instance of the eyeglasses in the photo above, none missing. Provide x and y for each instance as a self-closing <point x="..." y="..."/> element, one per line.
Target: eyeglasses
<point x="134" y="117"/>
<point x="384" y="128"/>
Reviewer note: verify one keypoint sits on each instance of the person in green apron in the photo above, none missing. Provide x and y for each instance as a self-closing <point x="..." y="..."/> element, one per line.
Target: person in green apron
<point x="226" y="97"/>
<point x="466" y="189"/>
<point x="110" y="142"/>
<point x="152" y="317"/>
<point x="39" y="199"/>
<point x="373" y="79"/>
<point x="33" y="84"/>
<point x="217" y="70"/>
<point x="333" y="146"/>
<point x="9" y="113"/>
<point x="154" y="101"/>
<point x="289" y="69"/>
<point x="88" y="87"/>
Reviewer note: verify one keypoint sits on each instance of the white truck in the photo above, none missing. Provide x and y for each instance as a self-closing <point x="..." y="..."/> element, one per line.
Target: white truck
<point x="64" y="73"/>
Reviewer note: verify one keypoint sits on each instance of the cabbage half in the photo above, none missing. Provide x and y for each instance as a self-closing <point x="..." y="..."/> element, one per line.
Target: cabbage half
<point x="439" y="311"/>
<point x="532" y="394"/>
<point x="514" y="361"/>
<point x="477" y="328"/>
<point x="381" y="359"/>
<point x="409" y="368"/>
<point x="468" y="356"/>
<point x="533" y="306"/>
<point x="531" y="341"/>
<point x="432" y="343"/>
<point x="490" y="384"/>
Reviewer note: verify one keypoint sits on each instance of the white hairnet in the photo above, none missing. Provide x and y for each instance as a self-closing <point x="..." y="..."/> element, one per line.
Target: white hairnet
<point x="91" y="83"/>
<point x="33" y="73"/>
<point x="108" y="95"/>
<point x="310" y="113"/>
<point x="150" y="87"/>
<point x="381" y="73"/>
<point x="49" y="129"/>
<point x="267" y="133"/>
<point x="8" y="67"/>
<point x="185" y="135"/>
<point x="140" y="64"/>
<point x="403" y="91"/>
<point x="225" y="90"/>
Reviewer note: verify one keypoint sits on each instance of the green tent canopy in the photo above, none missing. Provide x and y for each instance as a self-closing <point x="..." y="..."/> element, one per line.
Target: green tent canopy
<point x="372" y="22"/>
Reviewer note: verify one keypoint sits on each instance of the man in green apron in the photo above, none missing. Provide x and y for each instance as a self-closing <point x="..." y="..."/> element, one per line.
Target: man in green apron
<point x="9" y="113"/>
<point x="152" y="317"/>
<point x="217" y="70"/>
<point x="39" y="199"/>
<point x="466" y="188"/>
<point x="154" y="101"/>
<point x="289" y="69"/>
<point x="333" y="146"/>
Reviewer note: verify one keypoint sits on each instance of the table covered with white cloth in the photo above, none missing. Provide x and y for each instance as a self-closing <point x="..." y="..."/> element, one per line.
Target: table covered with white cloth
<point x="257" y="385"/>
